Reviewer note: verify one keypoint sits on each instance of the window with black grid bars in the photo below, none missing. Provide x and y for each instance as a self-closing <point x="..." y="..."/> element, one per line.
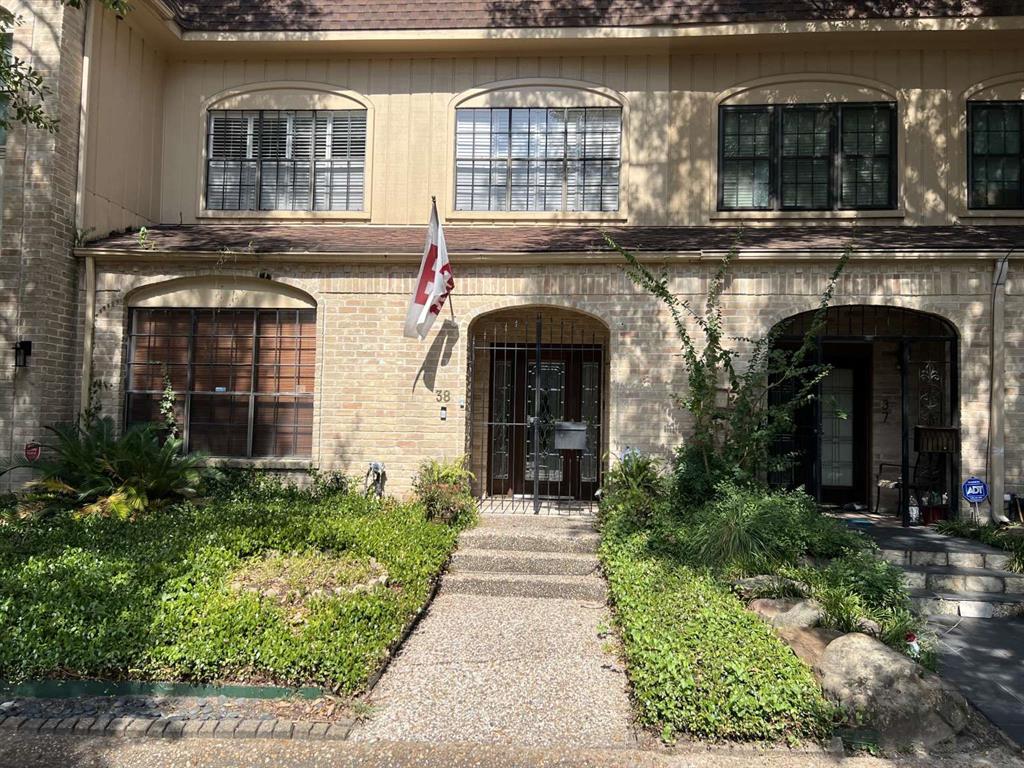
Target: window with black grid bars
<point x="243" y="379"/>
<point x="538" y="159"/>
<point x="813" y="157"/>
<point x="996" y="155"/>
<point x="286" y="160"/>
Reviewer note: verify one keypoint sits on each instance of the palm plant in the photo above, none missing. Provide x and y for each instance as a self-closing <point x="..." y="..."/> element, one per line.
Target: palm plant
<point x="103" y="473"/>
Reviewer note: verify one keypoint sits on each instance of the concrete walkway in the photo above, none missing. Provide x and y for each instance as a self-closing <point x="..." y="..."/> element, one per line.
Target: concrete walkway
<point x="512" y="650"/>
<point x="50" y="751"/>
<point x="985" y="660"/>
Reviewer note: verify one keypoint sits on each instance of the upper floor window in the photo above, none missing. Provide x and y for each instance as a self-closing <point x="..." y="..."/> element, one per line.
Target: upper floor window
<point x="996" y="154"/>
<point x="243" y="379"/>
<point x="807" y="158"/>
<point x="285" y="160"/>
<point x="559" y="159"/>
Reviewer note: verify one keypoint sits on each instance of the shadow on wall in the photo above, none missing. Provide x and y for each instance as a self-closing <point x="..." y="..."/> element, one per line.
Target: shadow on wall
<point x="439" y="355"/>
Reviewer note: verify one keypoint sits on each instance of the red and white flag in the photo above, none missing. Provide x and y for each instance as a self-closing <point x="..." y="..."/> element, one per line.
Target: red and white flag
<point x="434" y="284"/>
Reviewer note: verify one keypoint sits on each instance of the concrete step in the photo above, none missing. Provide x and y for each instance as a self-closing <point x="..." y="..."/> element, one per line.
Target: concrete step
<point x="962" y="580"/>
<point x="537" y="523"/>
<point x="591" y="588"/>
<point x="957" y="558"/>
<point x="531" y="539"/>
<point x="979" y="605"/>
<point x="468" y="560"/>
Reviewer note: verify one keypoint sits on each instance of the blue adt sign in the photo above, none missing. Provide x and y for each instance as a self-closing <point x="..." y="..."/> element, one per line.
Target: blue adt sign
<point x="975" y="490"/>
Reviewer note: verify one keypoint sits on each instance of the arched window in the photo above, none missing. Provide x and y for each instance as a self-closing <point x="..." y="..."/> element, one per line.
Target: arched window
<point x="538" y="146"/>
<point x="236" y="361"/>
<point x="286" y="147"/>
<point x="819" y="145"/>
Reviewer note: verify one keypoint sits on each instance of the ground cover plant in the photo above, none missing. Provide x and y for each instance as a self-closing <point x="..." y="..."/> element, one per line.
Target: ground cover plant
<point x="699" y="662"/>
<point x="207" y="590"/>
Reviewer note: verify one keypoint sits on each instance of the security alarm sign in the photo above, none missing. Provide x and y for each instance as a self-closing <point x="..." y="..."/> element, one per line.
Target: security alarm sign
<point x="32" y="451"/>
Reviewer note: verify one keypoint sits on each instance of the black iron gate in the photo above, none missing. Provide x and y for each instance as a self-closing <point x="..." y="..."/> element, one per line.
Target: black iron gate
<point x="536" y="404"/>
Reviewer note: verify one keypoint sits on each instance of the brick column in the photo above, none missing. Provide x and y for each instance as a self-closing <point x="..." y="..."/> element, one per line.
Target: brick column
<point x="38" y="273"/>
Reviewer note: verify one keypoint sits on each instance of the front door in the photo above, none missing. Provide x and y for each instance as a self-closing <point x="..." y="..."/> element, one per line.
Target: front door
<point x="844" y="435"/>
<point x="529" y="397"/>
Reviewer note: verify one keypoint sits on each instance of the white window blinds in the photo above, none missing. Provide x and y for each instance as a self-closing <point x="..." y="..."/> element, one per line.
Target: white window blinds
<point x="286" y="160"/>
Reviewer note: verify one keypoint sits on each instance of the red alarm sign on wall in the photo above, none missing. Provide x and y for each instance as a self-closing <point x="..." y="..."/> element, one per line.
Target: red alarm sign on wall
<point x="32" y="451"/>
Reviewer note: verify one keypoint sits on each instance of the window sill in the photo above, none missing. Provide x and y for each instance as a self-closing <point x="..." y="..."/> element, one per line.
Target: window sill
<point x="362" y="216"/>
<point x="269" y="463"/>
<point x="807" y="215"/>
<point x="1000" y="213"/>
<point x="568" y="217"/>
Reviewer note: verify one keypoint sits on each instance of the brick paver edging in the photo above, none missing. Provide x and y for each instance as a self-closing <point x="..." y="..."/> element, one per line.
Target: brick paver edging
<point x="168" y="728"/>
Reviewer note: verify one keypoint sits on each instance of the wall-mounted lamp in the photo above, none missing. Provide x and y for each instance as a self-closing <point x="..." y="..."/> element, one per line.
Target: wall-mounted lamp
<point x="22" y="352"/>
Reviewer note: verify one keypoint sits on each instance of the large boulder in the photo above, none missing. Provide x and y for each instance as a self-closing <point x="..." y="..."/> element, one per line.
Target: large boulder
<point x="787" y="612"/>
<point x="883" y="689"/>
<point x="808" y="644"/>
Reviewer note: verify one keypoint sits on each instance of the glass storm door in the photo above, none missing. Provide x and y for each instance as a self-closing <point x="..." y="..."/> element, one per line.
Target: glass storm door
<point x="838" y="403"/>
<point x="543" y="455"/>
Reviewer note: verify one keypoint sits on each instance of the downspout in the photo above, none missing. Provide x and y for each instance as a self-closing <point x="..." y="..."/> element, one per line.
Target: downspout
<point x="996" y="459"/>
<point x="85" y="374"/>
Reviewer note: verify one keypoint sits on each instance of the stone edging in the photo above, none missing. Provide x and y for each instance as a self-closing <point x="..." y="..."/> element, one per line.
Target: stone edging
<point x="169" y="728"/>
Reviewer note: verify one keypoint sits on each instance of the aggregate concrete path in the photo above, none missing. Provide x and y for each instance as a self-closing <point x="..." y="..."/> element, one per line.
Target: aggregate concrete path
<point x="510" y="653"/>
<point x="56" y="751"/>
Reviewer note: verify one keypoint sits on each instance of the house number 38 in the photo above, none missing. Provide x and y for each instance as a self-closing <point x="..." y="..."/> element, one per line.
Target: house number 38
<point x="444" y="396"/>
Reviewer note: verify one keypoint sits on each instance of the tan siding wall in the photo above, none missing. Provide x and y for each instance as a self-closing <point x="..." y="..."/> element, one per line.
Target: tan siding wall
<point x="125" y="127"/>
<point x="671" y="114"/>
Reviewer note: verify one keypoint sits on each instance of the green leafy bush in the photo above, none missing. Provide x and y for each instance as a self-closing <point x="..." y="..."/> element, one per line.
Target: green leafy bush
<point x="640" y="478"/>
<point x="446" y="491"/>
<point x="99" y="472"/>
<point x="699" y="662"/>
<point x="737" y="419"/>
<point x="154" y="600"/>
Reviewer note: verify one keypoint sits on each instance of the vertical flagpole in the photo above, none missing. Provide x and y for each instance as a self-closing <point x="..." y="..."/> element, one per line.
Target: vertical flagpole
<point x="433" y="203"/>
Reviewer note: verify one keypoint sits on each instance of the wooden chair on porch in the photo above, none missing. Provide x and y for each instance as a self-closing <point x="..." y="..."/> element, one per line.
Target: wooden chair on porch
<point x="888" y="478"/>
<point x="929" y="442"/>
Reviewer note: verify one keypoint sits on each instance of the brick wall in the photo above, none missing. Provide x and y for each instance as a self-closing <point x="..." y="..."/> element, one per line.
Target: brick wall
<point x="377" y="391"/>
<point x="38" y="231"/>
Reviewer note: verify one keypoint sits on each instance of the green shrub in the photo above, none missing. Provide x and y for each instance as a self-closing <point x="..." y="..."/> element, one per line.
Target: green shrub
<point x="696" y="476"/>
<point x="748" y="529"/>
<point x="699" y="662"/>
<point x="877" y="583"/>
<point x="637" y="481"/>
<point x="155" y="600"/>
<point x="325" y="484"/>
<point x="99" y="472"/>
<point x="446" y="490"/>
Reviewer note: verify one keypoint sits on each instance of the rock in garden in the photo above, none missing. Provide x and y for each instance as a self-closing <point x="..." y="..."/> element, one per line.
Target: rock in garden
<point x="883" y="689"/>
<point x="808" y="644"/>
<point x="787" y="612"/>
<point x="869" y="627"/>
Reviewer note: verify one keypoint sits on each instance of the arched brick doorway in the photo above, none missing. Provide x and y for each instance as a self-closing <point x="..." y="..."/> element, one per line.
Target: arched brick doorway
<point x="887" y="411"/>
<point x="537" y="409"/>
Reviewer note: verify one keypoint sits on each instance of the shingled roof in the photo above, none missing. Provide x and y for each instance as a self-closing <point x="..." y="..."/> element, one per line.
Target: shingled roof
<point x="315" y="15"/>
<point x="348" y="239"/>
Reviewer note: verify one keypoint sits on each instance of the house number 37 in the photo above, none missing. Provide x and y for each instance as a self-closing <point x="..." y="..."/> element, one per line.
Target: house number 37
<point x="444" y="396"/>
